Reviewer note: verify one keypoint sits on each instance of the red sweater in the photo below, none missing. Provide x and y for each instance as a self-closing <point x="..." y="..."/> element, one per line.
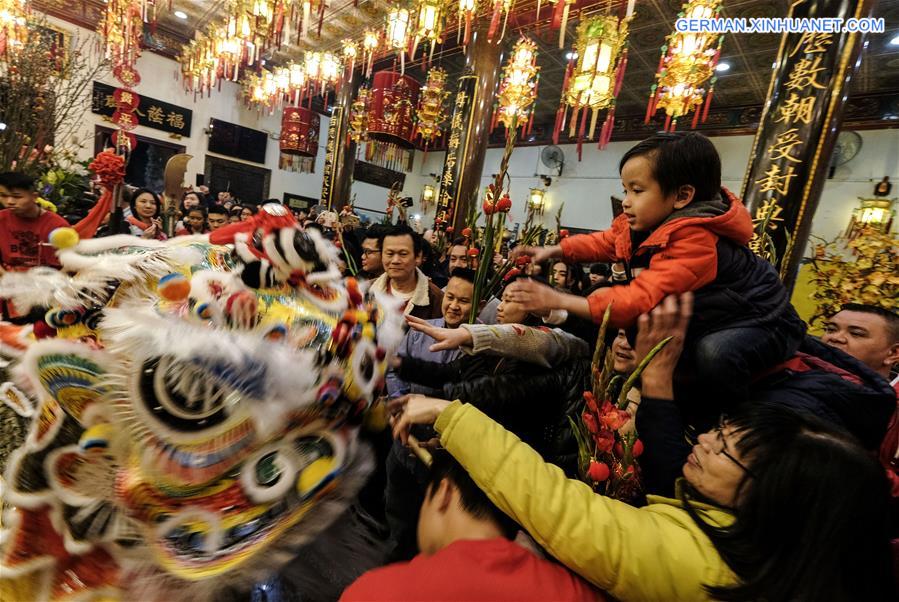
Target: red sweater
<point x="23" y="242"/>
<point x="491" y="570"/>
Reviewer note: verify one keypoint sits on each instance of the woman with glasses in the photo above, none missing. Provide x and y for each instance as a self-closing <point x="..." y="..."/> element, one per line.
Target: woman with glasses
<point x="773" y="505"/>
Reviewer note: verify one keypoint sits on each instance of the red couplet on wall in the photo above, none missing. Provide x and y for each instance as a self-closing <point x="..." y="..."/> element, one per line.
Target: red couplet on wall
<point x="391" y="109"/>
<point x="299" y="132"/>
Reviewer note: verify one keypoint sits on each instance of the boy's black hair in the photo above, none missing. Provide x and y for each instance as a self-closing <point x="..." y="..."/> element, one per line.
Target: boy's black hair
<point x="889" y="316"/>
<point x="460" y="242"/>
<point x="199" y="208"/>
<point x="15" y="180"/>
<point x="681" y="159"/>
<point x="474" y="501"/>
<point x="466" y="274"/>
<point x="218" y="210"/>
<point x="403" y="230"/>
<point x="602" y="269"/>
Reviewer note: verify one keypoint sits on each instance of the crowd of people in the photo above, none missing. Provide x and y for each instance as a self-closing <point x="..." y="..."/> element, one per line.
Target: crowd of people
<point x="771" y="457"/>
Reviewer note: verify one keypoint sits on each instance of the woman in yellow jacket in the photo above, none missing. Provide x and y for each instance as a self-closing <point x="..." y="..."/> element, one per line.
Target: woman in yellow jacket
<point x="773" y="505"/>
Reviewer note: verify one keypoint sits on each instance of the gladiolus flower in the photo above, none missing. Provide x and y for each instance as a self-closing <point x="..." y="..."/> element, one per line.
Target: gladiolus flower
<point x="590" y="422"/>
<point x="523" y="260"/>
<point x="488" y="208"/>
<point x="605" y="440"/>
<point x="504" y="204"/>
<point x="511" y="274"/>
<point x="563" y="233"/>
<point x="450" y="229"/>
<point x="598" y="471"/>
<point x="473" y="252"/>
<point x="466" y="232"/>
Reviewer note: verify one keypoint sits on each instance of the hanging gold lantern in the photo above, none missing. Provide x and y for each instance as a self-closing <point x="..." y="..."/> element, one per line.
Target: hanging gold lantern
<point x="359" y="117"/>
<point x="370" y="42"/>
<point x="398" y="21"/>
<point x="350" y="50"/>
<point x="518" y="89"/>
<point x="429" y="25"/>
<point x="13" y="25"/>
<point x="687" y="64"/>
<point x="593" y="79"/>
<point x="431" y="112"/>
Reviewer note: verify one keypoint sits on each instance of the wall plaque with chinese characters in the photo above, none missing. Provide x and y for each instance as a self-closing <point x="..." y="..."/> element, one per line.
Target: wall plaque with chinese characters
<point x="150" y="112"/>
<point x="799" y="125"/>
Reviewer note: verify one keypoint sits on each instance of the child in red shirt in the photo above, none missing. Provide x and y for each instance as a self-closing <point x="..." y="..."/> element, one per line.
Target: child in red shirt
<point x="25" y="226"/>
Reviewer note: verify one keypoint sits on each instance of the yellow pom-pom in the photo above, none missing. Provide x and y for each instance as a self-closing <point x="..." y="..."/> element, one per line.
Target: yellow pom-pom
<point x="63" y="238"/>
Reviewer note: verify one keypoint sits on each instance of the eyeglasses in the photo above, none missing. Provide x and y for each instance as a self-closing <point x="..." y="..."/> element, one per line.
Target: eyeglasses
<point x="367" y="252"/>
<point x="722" y="443"/>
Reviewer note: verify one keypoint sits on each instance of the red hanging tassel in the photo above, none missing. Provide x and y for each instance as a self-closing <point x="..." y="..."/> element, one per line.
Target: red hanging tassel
<point x="695" y="118"/>
<point x="560" y="118"/>
<point x="649" y="107"/>
<point x="494" y="20"/>
<point x="556" y="22"/>
<point x="467" y="37"/>
<point x="581" y="129"/>
<point x="708" y="103"/>
<point x="619" y="75"/>
<point x="667" y="122"/>
<point x="611" y="120"/>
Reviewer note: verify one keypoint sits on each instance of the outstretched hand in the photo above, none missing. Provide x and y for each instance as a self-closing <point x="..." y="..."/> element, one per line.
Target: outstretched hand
<point x="537" y="254"/>
<point x="447" y="338"/>
<point x="669" y="318"/>
<point x="413" y="409"/>
<point x="533" y="296"/>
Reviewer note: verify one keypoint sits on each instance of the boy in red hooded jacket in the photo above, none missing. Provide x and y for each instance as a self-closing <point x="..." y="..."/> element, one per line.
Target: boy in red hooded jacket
<point x="681" y="231"/>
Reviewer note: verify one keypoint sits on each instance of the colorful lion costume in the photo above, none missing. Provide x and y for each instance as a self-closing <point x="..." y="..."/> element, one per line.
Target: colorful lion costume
<point x="193" y="408"/>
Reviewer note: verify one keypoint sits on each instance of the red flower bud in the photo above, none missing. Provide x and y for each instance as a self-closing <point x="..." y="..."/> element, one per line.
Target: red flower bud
<point x="473" y="252"/>
<point x="504" y="204"/>
<point x="590" y="422"/>
<point x="523" y="260"/>
<point x="598" y="471"/>
<point x="466" y="232"/>
<point x="511" y="274"/>
<point x="450" y="229"/>
<point x="637" y="449"/>
<point x="563" y="233"/>
<point x="488" y="208"/>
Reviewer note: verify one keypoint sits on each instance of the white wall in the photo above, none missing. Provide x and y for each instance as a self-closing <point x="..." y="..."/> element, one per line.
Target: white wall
<point x="585" y="186"/>
<point x="160" y="79"/>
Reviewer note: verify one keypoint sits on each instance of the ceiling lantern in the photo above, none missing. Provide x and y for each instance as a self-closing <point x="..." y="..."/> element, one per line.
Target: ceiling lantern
<point x="687" y="64"/>
<point x="593" y="78"/>
<point x="349" y="51"/>
<point x="371" y="39"/>
<point x="518" y="88"/>
<point x="431" y="112"/>
<point x="397" y="38"/>
<point x="429" y="25"/>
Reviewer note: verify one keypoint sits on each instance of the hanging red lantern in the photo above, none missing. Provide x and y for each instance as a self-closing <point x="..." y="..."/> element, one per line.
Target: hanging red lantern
<point x="299" y="132"/>
<point x="393" y="98"/>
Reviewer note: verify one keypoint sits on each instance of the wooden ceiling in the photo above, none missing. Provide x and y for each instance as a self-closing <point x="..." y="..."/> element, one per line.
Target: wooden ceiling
<point x="739" y="94"/>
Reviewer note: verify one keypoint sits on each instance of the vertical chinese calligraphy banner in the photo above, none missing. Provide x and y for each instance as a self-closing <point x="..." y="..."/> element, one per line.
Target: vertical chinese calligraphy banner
<point x="469" y="133"/>
<point x="799" y="125"/>
<point x="331" y="156"/>
<point x="457" y="145"/>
